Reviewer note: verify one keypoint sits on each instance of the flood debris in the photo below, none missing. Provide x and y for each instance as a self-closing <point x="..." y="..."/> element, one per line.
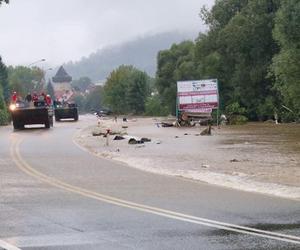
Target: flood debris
<point x="167" y="124"/>
<point x="206" y="131"/>
<point x="204" y="166"/>
<point x="134" y="141"/>
<point x="97" y="133"/>
<point x="103" y="132"/>
<point x="118" y="137"/>
<point x="145" y="139"/>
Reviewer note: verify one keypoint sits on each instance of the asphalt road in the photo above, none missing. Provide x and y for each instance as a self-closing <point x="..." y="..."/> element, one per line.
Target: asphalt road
<point x="54" y="195"/>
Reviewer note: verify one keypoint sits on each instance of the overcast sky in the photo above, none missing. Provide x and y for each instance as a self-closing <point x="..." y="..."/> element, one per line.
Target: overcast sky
<point x="64" y="30"/>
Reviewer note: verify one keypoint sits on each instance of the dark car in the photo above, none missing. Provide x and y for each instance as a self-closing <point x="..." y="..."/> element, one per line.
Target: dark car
<point x="102" y="112"/>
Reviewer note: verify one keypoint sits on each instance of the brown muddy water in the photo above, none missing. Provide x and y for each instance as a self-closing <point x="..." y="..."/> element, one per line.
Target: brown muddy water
<point x="270" y="152"/>
<point x="257" y="157"/>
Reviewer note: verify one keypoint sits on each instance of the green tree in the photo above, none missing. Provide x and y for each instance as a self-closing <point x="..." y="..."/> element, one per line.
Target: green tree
<point x="286" y="64"/>
<point x="126" y="90"/>
<point x="177" y="63"/>
<point x="154" y="107"/>
<point x="3" y="109"/>
<point x="24" y="79"/>
<point x="81" y="84"/>
<point x="137" y="91"/>
<point x="80" y="100"/>
<point x="50" y="89"/>
<point x="4" y="89"/>
<point x="4" y="81"/>
<point x="94" y="100"/>
<point x="238" y="50"/>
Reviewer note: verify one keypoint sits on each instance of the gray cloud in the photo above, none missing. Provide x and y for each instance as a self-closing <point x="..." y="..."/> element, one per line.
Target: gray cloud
<point x="64" y="30"/>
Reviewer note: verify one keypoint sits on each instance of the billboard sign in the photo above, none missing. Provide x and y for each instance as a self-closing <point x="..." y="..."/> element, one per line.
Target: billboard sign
<point x="198" y="96"/>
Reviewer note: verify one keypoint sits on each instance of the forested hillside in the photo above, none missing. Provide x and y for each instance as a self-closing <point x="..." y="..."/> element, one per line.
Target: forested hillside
<point x="141" y="53"/>
<point x="252" y="48"/>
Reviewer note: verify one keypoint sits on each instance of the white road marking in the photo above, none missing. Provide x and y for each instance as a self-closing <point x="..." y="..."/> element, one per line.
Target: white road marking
<point x="8" y="246"/>
<point x="4" y="162"/>
<point x="64" y="239"/>
<point x="25" y="167"/>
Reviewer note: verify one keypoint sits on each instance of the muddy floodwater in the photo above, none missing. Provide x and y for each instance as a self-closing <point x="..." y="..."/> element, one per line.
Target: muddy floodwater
<point x="257" y="157"/>
<point x="267" y="151"/>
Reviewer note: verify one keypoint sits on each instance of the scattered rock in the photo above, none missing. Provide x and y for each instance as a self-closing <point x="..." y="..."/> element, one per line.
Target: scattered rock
<point x="97" y="133"/>
<point x="234" y="160"/>
<point x="124" y="126"/>
<point x="176" y="136"/>
<point x="118" y="137"/>
<point x="144" y="139"/>
<point x="158" y="142"/>
<point x="185" y="134"/>
<point x="204" y="166"/>
<point x="134" y="141"/>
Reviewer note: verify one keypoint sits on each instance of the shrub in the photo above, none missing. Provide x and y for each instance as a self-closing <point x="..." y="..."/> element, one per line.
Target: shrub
<point x="153" y="107"/>
<point x="4" y="117"/>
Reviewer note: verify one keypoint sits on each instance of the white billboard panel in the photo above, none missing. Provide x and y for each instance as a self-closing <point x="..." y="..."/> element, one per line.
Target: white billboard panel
<point x="197" y="95"/>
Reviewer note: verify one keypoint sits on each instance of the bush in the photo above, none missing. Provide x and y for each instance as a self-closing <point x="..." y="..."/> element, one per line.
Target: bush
<point x="235" y="114"/>
<point x="153" y="107"/>
<point x="266" y="110"/>
<point x="4" y="117"/>
<point x="238" y="120"/>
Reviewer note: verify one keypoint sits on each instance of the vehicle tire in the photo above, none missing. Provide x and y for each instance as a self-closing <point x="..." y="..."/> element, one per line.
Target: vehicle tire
<point x="76" y="117"/>
<point x="51" y="121"/>
<point x="47" y="124"/>
<point x="18" y="125"/>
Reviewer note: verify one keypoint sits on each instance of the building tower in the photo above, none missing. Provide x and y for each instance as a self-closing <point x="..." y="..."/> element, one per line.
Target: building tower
<point x="62" y="85"/>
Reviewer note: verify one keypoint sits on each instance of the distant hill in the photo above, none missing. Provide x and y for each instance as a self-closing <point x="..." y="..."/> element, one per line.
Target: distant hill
<point x="140" y="53"/>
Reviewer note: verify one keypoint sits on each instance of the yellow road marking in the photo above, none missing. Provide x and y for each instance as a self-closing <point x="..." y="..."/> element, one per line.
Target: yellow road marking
<point x="26" y="168"/>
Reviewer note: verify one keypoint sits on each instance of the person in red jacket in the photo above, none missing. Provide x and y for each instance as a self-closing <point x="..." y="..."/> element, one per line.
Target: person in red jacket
<point x="48" y="100"/>
<point x="43" y="97"/>
<point x="35" y="97"/>
<point x="14" y="97"/>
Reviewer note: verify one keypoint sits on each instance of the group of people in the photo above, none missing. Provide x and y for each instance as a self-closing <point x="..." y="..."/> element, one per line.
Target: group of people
<point x="33" y="98"/>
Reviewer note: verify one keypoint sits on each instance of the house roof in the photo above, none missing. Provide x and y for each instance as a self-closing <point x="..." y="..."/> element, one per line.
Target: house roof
<point x="61" y="76"/>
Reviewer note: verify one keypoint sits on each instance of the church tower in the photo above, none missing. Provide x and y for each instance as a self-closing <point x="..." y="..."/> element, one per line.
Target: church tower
<point x="62" y="85"/>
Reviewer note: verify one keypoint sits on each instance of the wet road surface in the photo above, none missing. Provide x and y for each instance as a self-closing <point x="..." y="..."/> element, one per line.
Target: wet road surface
<point x="54" y="195"/>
